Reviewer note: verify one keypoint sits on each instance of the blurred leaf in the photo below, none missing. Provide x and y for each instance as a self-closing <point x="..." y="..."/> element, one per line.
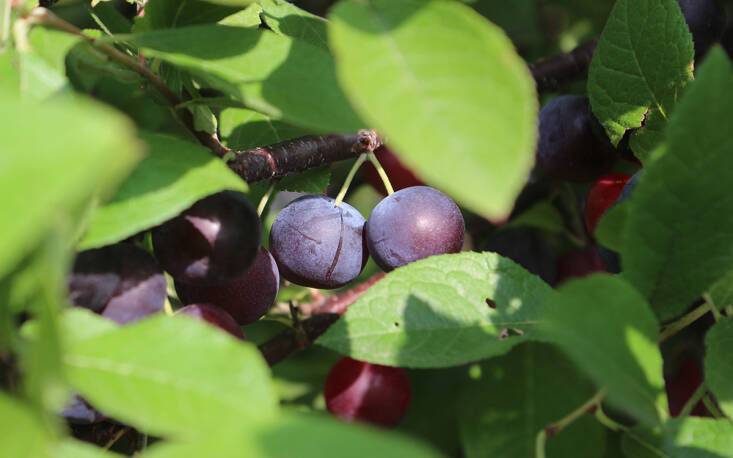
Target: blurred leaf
<point x="434" y="312"/>
<point x="434" y="410"/>
<point x="316" y="437"/>
<point x="111" y="19"/>
<point x="607" y="328"/>
<point x="678" y="237"/>
<point x="37" y="194"/>
<point x="542" y="215"/>
<point x="164" y="14"/>
<point x="721" y="292"/>
<point x="75" y="324"/>
<point x="248" y="17"/>
<point x="448" y="90"/>
<point x="170" y="179"/>
<point x="277" y="75"/>
<point x="287" y="19"/>
<point x="71" y="448"/>
<point x="314" y="181"/>
<point x="22" y="432"/>
<point x="719" y="364"/>
<point x="689" y="437"/>
<point x="42" y="69"/>
<point x="173" y="376"/>
<point x="520" y="394"/>
<point x="640" y="66"/>
<point x="9" y="75"/>
<point x="517" y="18"/>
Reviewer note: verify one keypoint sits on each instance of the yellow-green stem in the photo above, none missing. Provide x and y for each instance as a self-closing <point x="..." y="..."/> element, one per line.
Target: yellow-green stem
<point x="167" y="308"/>
<point x="694" y="399"/>
<point x="265" y="198"/>
<point x="349" y="178"/>
<point x="682" y="323"/>
<point x="565" y="421"/>
<point x="382" y="174"/>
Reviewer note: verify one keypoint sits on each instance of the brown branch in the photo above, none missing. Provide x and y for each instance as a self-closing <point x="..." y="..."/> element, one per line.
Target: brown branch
<point x="554" y="72"/>
<point x="322" y="314"/>
<point x="300" y="154"/>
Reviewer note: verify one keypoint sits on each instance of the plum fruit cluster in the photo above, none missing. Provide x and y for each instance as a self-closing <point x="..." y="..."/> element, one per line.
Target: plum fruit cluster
<point x="319" y="244"/>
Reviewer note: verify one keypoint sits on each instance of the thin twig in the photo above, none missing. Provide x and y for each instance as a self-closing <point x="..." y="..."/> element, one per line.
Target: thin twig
<point x="562" y="423"/>
<point x="682" y="323"/>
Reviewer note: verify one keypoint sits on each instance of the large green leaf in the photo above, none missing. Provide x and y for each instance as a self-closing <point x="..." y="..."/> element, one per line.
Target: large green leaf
<point x="721" y="293"/>
<point x="172" y="376"/>
<point x="689" y="437"/>
<point x="448" y="91"/>
<point x="44" y="177"/>
<point x="520" y="394"/>
<point x="607" y="328"/>
<point x="678" y="236"/>
<point x="173" y="176"/>
<point x="442" y="311"/>
<point x="277" y="75"/>
<point x="163" y="14"/>
<point x="719" y="364"/>
<point x="313" y="436"/>
<point x="642" y="62"/>
<point x="287" y="19"/>
<point x="22" y="432"/>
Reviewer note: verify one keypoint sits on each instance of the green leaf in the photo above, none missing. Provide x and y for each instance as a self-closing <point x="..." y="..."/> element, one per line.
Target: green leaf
<point x="172" y="376"/>
<point x="315" y="436"/>
<point x="721" y="293"/>
<point x="277" y="75"/>
<point x="76" y="324"/>
<point x="689" y="437"/>
<point x="248" y="17"/>
<point x="719" y="364"/>
<point x="518" y="395"/>
<point x="36" y="170"/>
<point x="607" y="328"/>
<point x="434" y="312"/>
<point x="42" y="69"/>
<point x="642" y="62"/>
<point x="22" y="432"/>
<point x="71" y="448"/>
<point x="678" y="237"/>
<point x="542" y="215"/>
<point x="163" y="14"/>
<point x="285" y="18"/>
<point x="170" y="179"/>
<point x="447" y="89"/>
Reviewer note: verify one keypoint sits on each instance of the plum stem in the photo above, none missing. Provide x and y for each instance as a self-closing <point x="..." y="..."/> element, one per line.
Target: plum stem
<point x="676" y="326"/>
<point x="562" y="423"/>
<point x="349" y="178"/>
<point x="266" y="198"/>
<point x="167" y="308"/>
<point x="694" y="399"/>
<point x="382" y="174"/>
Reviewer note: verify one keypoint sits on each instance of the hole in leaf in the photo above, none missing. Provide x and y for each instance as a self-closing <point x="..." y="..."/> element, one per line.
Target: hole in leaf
<point x="491" y="303"/>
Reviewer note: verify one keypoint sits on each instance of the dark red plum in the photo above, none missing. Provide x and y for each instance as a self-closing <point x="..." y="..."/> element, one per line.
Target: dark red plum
<point x="527" y="248"/>
<point x="121" y="282"/>
<point x="706" y="20"/>
<point x="360" y="391"/>
<point x="246" y="298"/>
<point x="212" y="242"/>
<point x="572" y="145"/>
<point x="215" y="316"/>
<point x="317" y="244"/>
<point x="601" y="196"/>
<point x="400" y="176"/>
<point x="412" y="224"/>
<point x="611" y="259"/>
<point x="680" y="387"/>
<point x="579" y="263"/>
